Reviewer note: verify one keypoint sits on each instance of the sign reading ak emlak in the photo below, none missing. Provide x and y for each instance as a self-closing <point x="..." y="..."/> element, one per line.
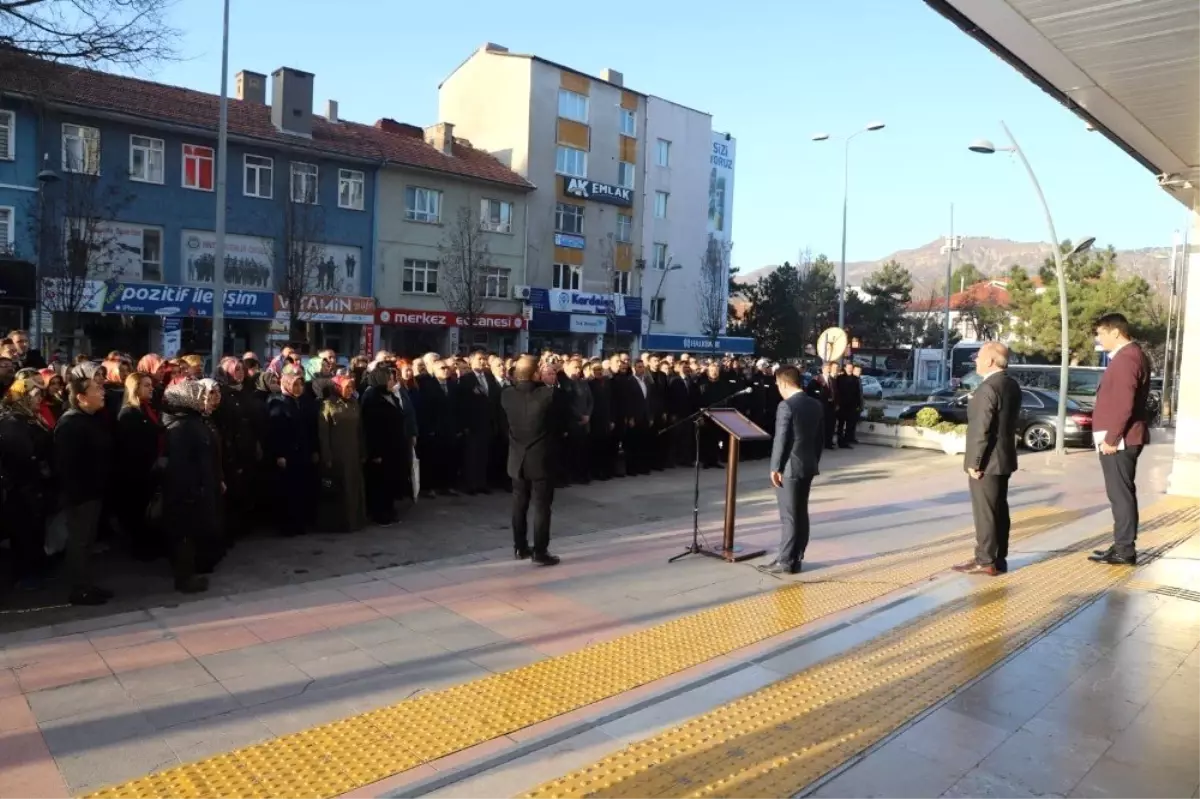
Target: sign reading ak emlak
<point x="592" y="190"/>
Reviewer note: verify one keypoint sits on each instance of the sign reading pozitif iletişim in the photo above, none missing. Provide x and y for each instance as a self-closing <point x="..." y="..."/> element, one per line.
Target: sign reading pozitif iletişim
<point x="598" y="192"/>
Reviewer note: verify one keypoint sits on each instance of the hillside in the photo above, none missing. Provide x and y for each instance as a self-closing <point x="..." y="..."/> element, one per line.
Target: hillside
<point x="992" y="257"/>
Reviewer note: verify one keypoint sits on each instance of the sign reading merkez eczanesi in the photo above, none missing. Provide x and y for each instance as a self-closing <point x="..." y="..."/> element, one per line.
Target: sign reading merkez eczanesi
<point x="586" y="189"/>
<point x="155" y="299"/>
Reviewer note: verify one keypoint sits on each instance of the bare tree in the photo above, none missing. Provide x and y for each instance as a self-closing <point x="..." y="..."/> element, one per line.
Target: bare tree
<point x="86" y="32"/>
<point x="302" y="257"/>
<point x="608" y="265"/>
<point x="711" y="288"/>
<point x="464" y="268"/>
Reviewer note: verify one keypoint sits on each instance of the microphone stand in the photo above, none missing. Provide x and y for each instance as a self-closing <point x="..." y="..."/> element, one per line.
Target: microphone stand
<point x="697" y="420"/>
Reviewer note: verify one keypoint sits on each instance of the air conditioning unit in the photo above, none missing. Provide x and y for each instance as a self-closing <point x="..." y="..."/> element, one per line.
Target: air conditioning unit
<point x="521" y="292"/>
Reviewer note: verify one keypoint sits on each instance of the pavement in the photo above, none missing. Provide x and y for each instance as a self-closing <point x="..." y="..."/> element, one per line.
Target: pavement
<point x="439" y="666"/>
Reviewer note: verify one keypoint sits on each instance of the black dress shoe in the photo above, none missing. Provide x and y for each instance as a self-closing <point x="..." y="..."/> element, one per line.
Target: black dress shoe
<point x="1113" y="559"/>
<point x="545" y="559"/>
<point x="521" y="553"/>
<point x="104" y="592"/>
<point x="1102" y="552"/>
<point x="781" y="568"/>
<point x="86" y="596"/>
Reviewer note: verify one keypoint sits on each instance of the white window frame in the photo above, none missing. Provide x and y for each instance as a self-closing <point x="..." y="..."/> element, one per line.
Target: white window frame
<point x="662" y="201"/>
<point x="212" y="156"/>
<point x="8" y="233"/>
<point x="309" y="195"/>
<point x="567" y="276"/>
<point x="663" y="153"/>
<point x="159" y="263"/>
<point x="563" y="158"/>
<point x="502" y="223"/>
<point x="149" y="146"/>
<point x="662" y="254"/>
<point x="259" y="168"/>
<point x="621" y="283"/>
<point x="625" y="221"/>
<point x="658" y="309"/>
<point x="559" y="216"/>
<point x="626" y="174"/>
<point x="573" y="113"/>
<point x="497" y="282"/>
<point x="423" y="205"/>
<point x="89" y="144"/>
<point x="425" y="268"/>
<point x="348" y="179"/>
<point x="8" y="121"/>
<point x="629" y="117"/>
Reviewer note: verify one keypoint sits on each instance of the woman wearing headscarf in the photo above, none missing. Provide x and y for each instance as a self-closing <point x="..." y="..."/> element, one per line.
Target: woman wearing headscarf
<point x="54" y="398"/>
<point x="156" y="368"/>
<point x="141" y="449"/>
<point x="26" y="451"/>
<point x="340" y="435"/>
<point x="291" y="445"/>
<point x="383" y="428"/>
<point x="240" y="446"/>
<point x="191" y="493"/>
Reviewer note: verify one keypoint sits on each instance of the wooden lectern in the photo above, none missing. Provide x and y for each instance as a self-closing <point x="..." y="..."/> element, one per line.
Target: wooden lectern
<point x="739" y="429"/>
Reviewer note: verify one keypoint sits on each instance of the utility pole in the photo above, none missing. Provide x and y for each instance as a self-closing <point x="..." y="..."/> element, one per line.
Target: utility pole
<point x="953" y="244"/>
<point x="218" y="312"/>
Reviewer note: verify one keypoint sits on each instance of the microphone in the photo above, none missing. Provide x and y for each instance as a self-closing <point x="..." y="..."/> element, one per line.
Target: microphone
<point x="746" y="390"/>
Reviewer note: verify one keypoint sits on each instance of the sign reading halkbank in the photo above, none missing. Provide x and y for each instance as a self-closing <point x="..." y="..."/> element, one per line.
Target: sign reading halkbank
<point x="597" y="192"/>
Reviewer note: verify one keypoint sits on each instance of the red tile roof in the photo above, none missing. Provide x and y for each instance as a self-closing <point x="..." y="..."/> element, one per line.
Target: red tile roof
<point x="986" y="293"/>
<point x="387" y="141"/>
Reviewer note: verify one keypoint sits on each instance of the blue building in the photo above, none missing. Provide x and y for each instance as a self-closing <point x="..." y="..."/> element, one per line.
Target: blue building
<point x="107" y="195"/>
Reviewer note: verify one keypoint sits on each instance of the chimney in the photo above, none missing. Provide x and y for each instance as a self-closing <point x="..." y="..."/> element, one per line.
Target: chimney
<point x="292" y="101"/>
<point x="613" y="77"/>
<point x="251" y="87"/>
<point x="331" y="111"/>
<point x="492" y="47"/>
<point x="441" y="136"/>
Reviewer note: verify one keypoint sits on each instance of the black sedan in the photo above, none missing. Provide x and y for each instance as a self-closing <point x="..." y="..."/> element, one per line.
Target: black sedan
<point x="1039" y="412"/>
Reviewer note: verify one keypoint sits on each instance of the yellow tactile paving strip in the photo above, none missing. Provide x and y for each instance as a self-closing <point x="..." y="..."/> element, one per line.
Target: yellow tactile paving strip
<point x="333" y="759"/>
<point x="782" y="738"/>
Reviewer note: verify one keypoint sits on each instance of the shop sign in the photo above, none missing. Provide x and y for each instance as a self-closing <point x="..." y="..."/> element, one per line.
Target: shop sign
<point x="157" y="299"/>
<point x="570" y="241"/>
<point x="329" y="308"/>
<point x="405" y="317"/>
<point x="588" y="324"/>
<point x="566" y="301"/>
<point x="598" y="192"/>
<point x="675" y="343"/>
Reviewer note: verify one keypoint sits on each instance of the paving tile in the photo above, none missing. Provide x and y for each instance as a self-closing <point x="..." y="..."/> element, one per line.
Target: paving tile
<point x="375" y="631"/>
<point x="286" y="625"/>
<point x="27" y="768"/>
<point x="155" y="680"/>
<point x="1109" y="777"/>
<point x="342" y="667"/>
<point x="242" y="662"/>
<point x="15" y="714"/>
<point x="45" y="650"/>
<point x="87" y="665"/>
<point x="463" y="636"/>
<point x="980" y="782"/>
<point x="946" y="734"/>
<point x="893" y="771"/>
<point x="1045" y="758"/>
<point x="261" y="687"/>
<point x="196" y="740"/>
<point x="8" y="683"/>
<point x="143" y="632"/>
<point x="187" y="705"/>
<point x="107" y="763"/>
<point x="1159" y="737"/>
<point x="209" y="641"/>
<point x="70" y="700"/>
<point x="311" y="647"/>
<point x="1007" y="709"/>
<point x="141" y="656"/>
<point x="503" y="656"/>
<point x="83" y="732"/>
<point x="296" y="713"/>
<point x="428" y="619"/>
<point x="412" y="651"/>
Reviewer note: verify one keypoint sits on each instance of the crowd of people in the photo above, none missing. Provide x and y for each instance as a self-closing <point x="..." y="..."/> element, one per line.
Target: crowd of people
<point x="159" y="457"/>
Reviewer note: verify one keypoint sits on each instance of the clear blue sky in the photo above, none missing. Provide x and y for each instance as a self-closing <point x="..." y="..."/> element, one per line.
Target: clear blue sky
<point x="772" y="72"/>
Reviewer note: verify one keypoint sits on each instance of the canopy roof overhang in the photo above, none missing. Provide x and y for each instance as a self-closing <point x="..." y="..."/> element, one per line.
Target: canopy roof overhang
<point x="1129" y="68"/>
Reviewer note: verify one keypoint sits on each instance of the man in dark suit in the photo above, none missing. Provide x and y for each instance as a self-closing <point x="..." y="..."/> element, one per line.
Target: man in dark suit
<point x="821" y="388"/>
<point x="849" y="397"/>
<point x="638" y="406"/>
<point x="479" y="405"/>
<point x="1119" y="422"/>
<point x="533" y="433"/>
<point x="993" y="423"/>
<point x="795" y="458"/>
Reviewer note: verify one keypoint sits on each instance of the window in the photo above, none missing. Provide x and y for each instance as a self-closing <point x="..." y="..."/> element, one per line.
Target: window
<point x="660" y="204"/>
<point x="81" y="149"/>
<point x="420" y="277"/>
<point x="624" y="228"/>
<point x="568" y="276"/>
<point x="660" y="256"/>
<point x="657" y="309"/>
<point x="304" y="183"/>
<point x="1030" y="400"/>
<point x="572" y="106"/>
<point x="6" y="228"/>
<point x="571" y="162"/>
<point x="260" y="176"/>
<point x="495" y="282"/>
<point x="568" y="218"/>
<point x="495" y="215"/>
<point x="151" y="254"/>
<point x="621" y="283"/>
<point x="628" y="122"/>
<point x="8" y="136"/>
<point x="625" y="174"/>
<point x="1082" y="382"/>
<point x="146" y="159"/>
<point x="197" y="167"/>
<point x="351" y="189"/>
<point x="422" y="205"/>
<point x="664" y="153"/>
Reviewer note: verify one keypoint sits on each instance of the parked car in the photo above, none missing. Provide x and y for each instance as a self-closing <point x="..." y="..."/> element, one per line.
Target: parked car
<point x="1039" y="415"/>
<point x="871" y="388"/>
<point x="944" y="395"/>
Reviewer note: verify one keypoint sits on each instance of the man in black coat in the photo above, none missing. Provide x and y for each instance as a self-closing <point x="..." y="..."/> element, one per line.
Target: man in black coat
<point x="478" y="405"/>
<point x="821" y="388"/>
<point x="795" y="461"/>
<point x="638" y="405"/>
<point x="533" y="433"/>
<point x="993" y="421"/>
<point x="849" y="400"/>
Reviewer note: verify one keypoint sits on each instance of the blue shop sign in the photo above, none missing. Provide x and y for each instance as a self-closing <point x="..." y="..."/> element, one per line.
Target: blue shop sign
<point x="667" y="342"/>
<point x="156" y="299"/>
<point x="569" y="240"/>
<point x="554" y="322"/>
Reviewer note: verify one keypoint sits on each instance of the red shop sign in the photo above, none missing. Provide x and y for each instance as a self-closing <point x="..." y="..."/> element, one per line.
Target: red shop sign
<point x="406" y="317"/>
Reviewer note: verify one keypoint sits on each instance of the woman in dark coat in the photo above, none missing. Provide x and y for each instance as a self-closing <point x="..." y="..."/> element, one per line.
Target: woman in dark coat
<point x="291" y="445"/>
<point x="191" y="492"/>
<point x="340" y="434"/>
<point x="140" y="444"/>
<point x="240" y="447"/>
<point x="383" y="428"/>
<point x="255" y="398"/>
<point x="26" y="452"/>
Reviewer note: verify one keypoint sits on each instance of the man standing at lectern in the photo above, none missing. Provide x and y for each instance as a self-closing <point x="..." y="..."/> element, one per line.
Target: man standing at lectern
<point x="795" y="457"/>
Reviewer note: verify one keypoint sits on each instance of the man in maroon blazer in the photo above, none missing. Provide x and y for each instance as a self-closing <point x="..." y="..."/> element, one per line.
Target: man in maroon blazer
<point x="1121" y="417"/>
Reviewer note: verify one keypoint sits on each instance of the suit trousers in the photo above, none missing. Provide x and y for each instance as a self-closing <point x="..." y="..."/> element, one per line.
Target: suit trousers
<point x="1120" y="473"/>
<point x="989" y="507"/>
<point x="793" y="519"/>
<point x="82" y="526"/>
<point x="475" y="460"/>
<point x="830" y="423"/>
<point x="540" y="494"/>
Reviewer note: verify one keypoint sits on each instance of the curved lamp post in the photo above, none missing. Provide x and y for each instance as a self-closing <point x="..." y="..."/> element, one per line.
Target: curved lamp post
<point x="669" y="267"/>
<point x="871" y="126"/>
<point x="985" y="147"/>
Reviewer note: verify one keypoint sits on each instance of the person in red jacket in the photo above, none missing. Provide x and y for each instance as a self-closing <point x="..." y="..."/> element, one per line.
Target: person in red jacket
<point x="1119" y="422"/>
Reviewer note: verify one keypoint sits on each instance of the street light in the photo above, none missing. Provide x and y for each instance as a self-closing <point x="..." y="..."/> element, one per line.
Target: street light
<point x="670" y="267"/>
<point x="871" y="126"/>
<point x="46" y="177"/>
<point x="218" y="311"/>
<point x="985" y="147"/>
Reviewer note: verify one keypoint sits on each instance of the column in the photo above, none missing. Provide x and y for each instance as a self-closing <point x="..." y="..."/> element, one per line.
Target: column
<point x="1185" y="471"/>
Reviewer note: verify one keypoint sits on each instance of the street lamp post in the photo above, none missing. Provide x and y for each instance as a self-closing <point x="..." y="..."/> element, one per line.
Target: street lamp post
<point x="45" y="177"/>
<point x="873" y="126"/>
<point x="669" y="267"/>
<point x="218" y="312"/>
<point x="985" y="147"/>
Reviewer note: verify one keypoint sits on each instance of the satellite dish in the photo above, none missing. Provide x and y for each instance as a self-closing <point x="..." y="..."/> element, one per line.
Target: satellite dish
<point x="831" y="344"/>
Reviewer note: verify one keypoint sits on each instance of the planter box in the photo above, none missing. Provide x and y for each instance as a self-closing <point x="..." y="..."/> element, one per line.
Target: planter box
<point x="891" y="435"/>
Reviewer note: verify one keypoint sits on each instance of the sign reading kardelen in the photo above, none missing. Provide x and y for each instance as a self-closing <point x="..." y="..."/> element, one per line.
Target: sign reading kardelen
<point x="329" y="308"/>
<point x="593" y="190"/>
<point x="406" y="317"/>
